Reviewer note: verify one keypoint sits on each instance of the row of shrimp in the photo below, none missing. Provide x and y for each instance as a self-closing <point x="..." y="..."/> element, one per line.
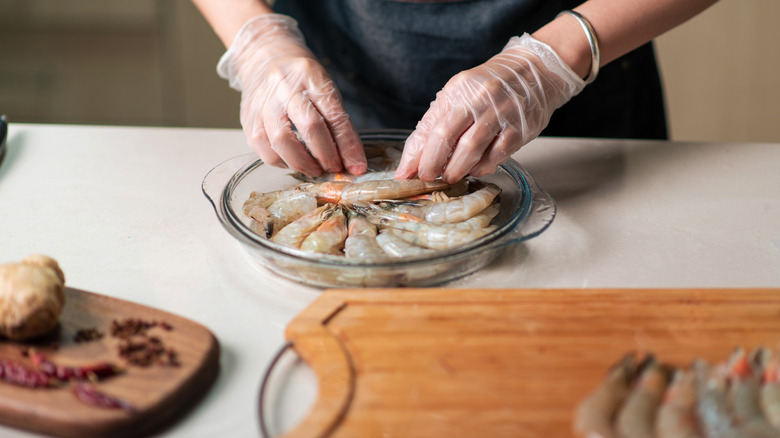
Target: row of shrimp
<point x="739" y="398"/>
<point x="374" y="217"/>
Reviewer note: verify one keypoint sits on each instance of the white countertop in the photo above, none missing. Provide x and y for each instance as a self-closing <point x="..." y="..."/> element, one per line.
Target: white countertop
<point x="122" y="211"/>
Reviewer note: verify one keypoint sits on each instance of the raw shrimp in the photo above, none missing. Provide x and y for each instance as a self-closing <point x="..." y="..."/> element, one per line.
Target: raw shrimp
<point x="636" y="418"/>
<point x="434" y="236"/>
<point x="745" y="400"/>
<point x="329" y="237"/>
<point x="770" y="392"/>
<point x="256" y="208"/>
<point x="397" y="247"/>
<point x="376" y="213"/>
<point x="593" y="417"/>
<point x="459" y="188"/>
<point x="463" y="207"/>
<point x="286" y="210"/>
<point x="403" y="205"/>
<point x="483" y="219"/>
<point x="379" y="190"/>
<point x="361" y="240"/>
<point x="296" y="231"/>
<point x="268" y="198"/>
<point x="676" y="416"/>
<point x="712" y="401"/>
<point x="326" y="192"/>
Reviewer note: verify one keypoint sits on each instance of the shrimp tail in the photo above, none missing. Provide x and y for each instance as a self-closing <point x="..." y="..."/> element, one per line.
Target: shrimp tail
<point x="593" y="417"/>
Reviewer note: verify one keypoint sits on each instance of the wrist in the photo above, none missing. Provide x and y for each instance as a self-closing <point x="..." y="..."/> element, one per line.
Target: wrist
<point x="567" y="38"/>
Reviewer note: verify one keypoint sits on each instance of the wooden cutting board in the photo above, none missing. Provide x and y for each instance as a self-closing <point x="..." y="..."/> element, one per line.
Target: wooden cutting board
<point x="159" y="394"/>
<point x="501" y="363"/>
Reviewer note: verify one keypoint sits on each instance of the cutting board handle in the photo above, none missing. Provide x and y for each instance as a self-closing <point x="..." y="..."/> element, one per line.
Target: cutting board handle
<point x="264" y="387"/>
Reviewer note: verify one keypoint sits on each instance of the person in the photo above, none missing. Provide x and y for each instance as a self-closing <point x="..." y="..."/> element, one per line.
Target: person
<point x="475" y="80"/>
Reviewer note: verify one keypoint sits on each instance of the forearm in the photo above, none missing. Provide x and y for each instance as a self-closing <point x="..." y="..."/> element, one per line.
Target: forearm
<point x="227" y="16"/>
<point x="621" y="26"/>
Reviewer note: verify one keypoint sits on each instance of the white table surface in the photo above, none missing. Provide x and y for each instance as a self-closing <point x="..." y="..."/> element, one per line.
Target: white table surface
<point x="121" y="209"/>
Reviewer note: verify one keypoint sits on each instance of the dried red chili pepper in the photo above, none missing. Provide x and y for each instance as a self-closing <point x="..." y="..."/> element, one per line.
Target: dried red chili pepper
<point x="96" y="371"/>
<point x="20" y="374"/>
<point x="89" y="394"/>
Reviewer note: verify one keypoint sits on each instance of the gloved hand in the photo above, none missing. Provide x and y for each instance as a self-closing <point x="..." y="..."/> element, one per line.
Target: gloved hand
<point x="485" y="114"/>
<point x="283" y="85"/>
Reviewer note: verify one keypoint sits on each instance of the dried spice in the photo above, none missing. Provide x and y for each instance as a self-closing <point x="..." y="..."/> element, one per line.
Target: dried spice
<point x="17" y="373"/>
<point x="146" y="351"/>
<point x="135" y="326"/>
<point x="140" y="349"/>
<point x="89" y="394"/>
<point x="136" y="346"/>
<point x="94" y="372"/>
<point x="87" y="335"/>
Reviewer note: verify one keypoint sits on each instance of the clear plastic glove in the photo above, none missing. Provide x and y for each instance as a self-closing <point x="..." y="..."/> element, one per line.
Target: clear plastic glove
<point x="283" y="86"/>
<point x="485" y="114"/>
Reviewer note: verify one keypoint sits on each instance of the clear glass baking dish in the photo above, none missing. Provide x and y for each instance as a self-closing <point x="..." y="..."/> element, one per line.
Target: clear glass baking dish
<point x="526" y="210"/>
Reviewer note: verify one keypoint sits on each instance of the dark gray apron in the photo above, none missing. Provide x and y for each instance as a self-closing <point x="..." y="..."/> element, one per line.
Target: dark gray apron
<point x="389" y="58"/>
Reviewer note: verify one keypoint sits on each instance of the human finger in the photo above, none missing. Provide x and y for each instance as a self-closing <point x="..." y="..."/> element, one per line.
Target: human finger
<point x="441" y="143"/>
<point x="326" y="99"/>
<point x="256" y="136"/>
<point x="314" y="132"/>
<point x="470" y="149"/>
<point x="286" y="144"/>
<point x="499" y="151"/>
<point x="413" y="147"/>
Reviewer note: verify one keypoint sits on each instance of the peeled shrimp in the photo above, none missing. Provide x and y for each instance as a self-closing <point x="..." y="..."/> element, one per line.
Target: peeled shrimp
<point x="361" y="240"/>
<point x="296" y="231"/>
<point x="329" y="237"/>
<point x="636" y="418"/>
<point x="378" y="190"/>
<point x="593" y="417"/>
<point x="676" y="416"/>
<point x="397" y="247"/>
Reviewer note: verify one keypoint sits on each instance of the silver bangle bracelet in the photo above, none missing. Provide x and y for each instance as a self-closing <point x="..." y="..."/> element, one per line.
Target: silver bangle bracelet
<point x="595" y="54"/>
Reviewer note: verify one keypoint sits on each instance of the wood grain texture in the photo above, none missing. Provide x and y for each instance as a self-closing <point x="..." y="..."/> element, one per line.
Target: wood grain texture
<point x="160" y="394"/>
<point x="502" y="363"/>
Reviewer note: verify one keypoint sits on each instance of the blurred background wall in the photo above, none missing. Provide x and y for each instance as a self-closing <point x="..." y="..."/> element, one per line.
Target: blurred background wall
<point x="152" y="62"/>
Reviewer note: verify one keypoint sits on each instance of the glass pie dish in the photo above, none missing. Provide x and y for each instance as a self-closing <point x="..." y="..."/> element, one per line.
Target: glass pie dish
<point x="525" y="211"/>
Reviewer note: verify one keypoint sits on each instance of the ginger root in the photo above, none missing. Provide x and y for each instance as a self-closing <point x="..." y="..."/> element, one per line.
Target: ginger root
<point x="31" y="297"/>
